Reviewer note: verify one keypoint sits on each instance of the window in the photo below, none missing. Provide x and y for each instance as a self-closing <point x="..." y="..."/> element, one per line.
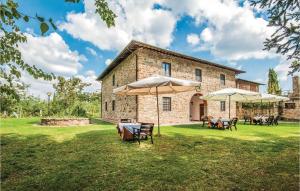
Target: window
<point x="113" y="105"/>
<point x="105" y="106"/>
<point x="166" y="104"/>
<point x="198" y="73"/>
<point x="113" y="80"/>
<point x="289" y="105"/>
<point x="166" y="69"/>
<point x="222" y="79"/>
<point x="222" y="104"/>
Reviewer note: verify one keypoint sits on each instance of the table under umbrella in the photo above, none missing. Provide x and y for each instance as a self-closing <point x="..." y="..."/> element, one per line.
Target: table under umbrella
<point x="232" y="94"/>
<point x="156" y="85"/>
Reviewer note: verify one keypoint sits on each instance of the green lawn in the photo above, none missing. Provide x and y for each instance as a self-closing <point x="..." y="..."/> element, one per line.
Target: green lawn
<point x="185" y="158"/>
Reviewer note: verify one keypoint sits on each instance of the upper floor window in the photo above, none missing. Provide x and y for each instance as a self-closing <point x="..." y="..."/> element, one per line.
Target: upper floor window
<point x="166" y="104"/>
<point x="198" y="74"/>
<point x="105" y="106"/>
<point x="222" y="105"/>
<point x="290" y="105"/>
<point x="166" y="69"/>
<point x="113" y="80"/>
<point x="222" y="79"/>
<point x="113" y="105"/>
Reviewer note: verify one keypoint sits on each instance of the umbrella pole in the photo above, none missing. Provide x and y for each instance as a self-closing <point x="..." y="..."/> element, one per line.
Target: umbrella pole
<point x="229" y="105"/>
<point x="157" y="105"/>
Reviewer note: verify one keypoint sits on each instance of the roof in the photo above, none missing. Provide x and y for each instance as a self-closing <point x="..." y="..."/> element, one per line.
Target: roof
<point x="239" y="79"/>
<point x="134" y="45"/>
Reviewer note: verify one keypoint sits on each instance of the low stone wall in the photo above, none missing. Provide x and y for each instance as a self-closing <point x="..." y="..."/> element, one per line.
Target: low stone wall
<point x="65" y="122"/>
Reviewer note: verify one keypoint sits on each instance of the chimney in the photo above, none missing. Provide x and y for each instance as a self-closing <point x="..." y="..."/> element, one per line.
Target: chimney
<point x="296" y="86"/>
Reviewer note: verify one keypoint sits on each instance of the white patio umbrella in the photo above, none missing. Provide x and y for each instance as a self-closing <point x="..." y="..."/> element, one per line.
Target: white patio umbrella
<point x="155" y="85"/>
<point x="232" y="94"/>
<point x="269" y="98"/>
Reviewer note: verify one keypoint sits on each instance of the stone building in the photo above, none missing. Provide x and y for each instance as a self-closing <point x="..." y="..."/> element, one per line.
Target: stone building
<point x="139" y="60"/>
<point x="291" y="109"/>
<point x="250" y="86"/>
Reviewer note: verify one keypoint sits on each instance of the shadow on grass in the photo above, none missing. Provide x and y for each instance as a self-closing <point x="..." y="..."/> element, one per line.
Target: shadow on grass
<point x="99" y="122"/>
<point x="98" y="160"/>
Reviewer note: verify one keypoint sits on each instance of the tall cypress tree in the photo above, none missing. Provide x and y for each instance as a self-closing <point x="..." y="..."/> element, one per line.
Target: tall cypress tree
<point x="273" y="83"/>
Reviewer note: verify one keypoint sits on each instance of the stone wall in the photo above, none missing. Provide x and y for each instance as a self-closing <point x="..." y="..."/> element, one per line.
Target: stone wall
<point x="125" y="106"/>
<point x="65" y="121"/>
<point x="149" y="63"/>
<point x="292" y="114"/>
<point x="247" y="86"/>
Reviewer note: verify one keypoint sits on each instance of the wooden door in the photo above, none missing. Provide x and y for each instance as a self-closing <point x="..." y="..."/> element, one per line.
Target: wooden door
<point x="201" y="110"/>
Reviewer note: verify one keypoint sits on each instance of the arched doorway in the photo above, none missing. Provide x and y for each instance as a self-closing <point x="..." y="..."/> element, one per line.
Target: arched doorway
<point x="198" y="107"/>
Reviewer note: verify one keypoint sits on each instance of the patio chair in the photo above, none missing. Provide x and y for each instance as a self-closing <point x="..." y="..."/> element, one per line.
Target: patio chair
<point x="205" y="119"/>
<point x="247" y="118"/>
<point x="276" y="119"/>
<point x="145" y="131"/>
<point x="118" y="129"/>
<point x="270" y="120"/>
<point x="125" y="121"/>
<point x="233" y="123"/>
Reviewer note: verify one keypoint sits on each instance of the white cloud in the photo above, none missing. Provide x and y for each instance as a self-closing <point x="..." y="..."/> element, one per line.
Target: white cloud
<point x="232" y="33"/>
<point x="91" y="51"/>
<point x="193" y="39"/>
<point x="90" y="77"/>
<point x="52" y="55"/>
<point x="136" y="20"/>
<point x="108" y="61"/>
<point x="206" y="35"/>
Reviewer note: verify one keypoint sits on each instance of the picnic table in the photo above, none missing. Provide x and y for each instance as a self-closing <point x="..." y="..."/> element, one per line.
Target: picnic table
<point x="127" y="130"/>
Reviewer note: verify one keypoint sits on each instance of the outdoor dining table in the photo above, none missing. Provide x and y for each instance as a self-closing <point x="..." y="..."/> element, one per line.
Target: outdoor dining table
<point x="127" y="129"/>
<point x="261" y="119"/>
<point x="224" y="122"/>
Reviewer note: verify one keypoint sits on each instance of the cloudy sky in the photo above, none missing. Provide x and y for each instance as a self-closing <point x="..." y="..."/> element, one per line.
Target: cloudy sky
<point x="223" y="31"/>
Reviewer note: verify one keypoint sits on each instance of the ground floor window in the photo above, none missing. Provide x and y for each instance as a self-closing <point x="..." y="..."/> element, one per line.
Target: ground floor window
<point x="105" y="106"/>
<point x="113" y="105"/>
<point x="290" y="105"/>
<point x="166" y="104"/>
<point x="222" y="104"/>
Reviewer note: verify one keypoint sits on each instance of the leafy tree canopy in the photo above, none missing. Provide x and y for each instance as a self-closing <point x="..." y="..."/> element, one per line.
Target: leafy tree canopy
<point x="284" y="16"/>
<point x="11" y="61"/>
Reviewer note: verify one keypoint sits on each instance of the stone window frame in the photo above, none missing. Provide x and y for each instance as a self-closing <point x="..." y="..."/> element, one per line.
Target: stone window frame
<point x="222" y="105"/>
<point x="105" y="106"/>
<point x="198" y="69"/>
<point x="167" y="104"/>
<point x="113" y="105"/>
<point x="221" y="80"/>
<point x="163" y="64"/>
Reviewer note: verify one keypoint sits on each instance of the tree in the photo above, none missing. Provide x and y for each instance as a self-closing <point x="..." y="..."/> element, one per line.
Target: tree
<point x="11" y="93"/>
<point x="273" y="83"/>
<point x="68" y="94"/>
<point x="284" y="16"/>
<point x="11" y="62"/>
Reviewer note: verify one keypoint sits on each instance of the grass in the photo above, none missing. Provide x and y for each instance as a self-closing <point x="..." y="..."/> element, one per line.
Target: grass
<point x="186" y="157"/>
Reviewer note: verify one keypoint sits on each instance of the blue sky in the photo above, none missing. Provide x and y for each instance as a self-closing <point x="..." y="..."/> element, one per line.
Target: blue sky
<point x="226" y="32"/>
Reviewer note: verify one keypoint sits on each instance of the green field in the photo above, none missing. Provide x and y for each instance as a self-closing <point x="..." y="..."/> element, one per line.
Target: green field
<point x="187" y="157"/>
